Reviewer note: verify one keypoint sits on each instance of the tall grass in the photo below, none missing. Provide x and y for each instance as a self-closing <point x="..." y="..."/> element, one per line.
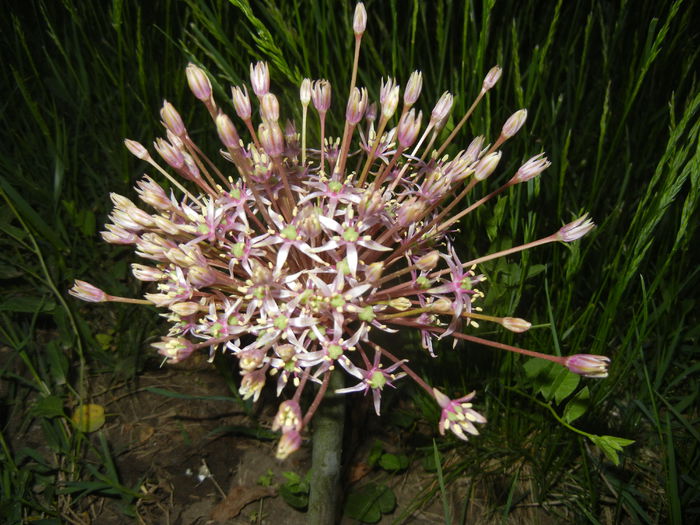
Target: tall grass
<point x="612" y="94"/>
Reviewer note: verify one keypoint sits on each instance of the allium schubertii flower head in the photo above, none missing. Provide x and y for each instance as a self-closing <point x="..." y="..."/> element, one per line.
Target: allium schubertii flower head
<point x="290" y="257"/>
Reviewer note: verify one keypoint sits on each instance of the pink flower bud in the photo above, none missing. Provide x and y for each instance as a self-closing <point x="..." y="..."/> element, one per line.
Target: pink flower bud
<point x="289" y="443"/>
<point x="442" y="109"/>
<point x="272" y="139"/>
<point x="270" y="108"/>
<point x="172" y="120"/>
<point x="151" y="193"/>
<point x="199" y="82"/>
<point x="357" y="103"/>
<point x="514" y="123"/>
<point x="389" y="97"/>
<point x="171" y="155"/>
<point x="491" y="78"/>
<point x="227" y="131"/>
<point x="588" y="365"/>
<point x="428" y="261"/>
<point x="185" y="308"/>
<point x="87" y="292"/>
<point x="413" y="88"/>
<point x="371" y="113"/>
<point x="146" y="273"/>
<point x="409" y="127"/>
<point x="288" y="417"/>
<point x="260" y="78"/>
<point x="175" y="349"/>
<point x="321" y="95"/>
<point x="531" y="169"/>
<point x="241" y="102"/>
<point x="474" y="149"/>
<point x="137" y="149"/>
<point x="359" y="20"/>
<point x="576" y="229"/>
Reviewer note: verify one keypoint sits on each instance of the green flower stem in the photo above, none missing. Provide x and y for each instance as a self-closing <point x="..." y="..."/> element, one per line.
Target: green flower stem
<point x="326" y="455"/>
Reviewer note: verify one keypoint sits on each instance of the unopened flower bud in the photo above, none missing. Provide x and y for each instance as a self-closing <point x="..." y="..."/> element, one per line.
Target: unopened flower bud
<point x="87" y="292"/>
<point x="474" y="149"/>
<point x="413" y="88"/>
<point x="588" y="365"/>
<point x="491" y="78"/>
<point x="241" y="102"/>
<point x="185" y="308"/>
<point x="137" y="149"/>
<point x="172" y="120"/>
<point x="272" y="139"/>
<point x="321" y="95"/>
<point x="288" y="417"/>
<point x="531" y="169"/>
<point x="401" y="304"/>
<point x="442" y="306"/>
<point x="227" y="131"/>
<point x="371" y="113"/>
<point x="201" y="276"/>
<point x="305" y="92"/>
<point x="487" y="165"/>
<point x="389" y="97"/>
<point x="146" y="273"/>
<point x="515" y="324"/>
<point x="270" y="108"/>
<point x="442" y="109"/>
<point x="428" y="261"/>
<point x="252" y="384"/>
<point x="514" y="123"/>
<point x="289" y="442"/>
<point x="171" y="155"/>
<point x="199" y="82"/>
<point x="118" y="235"/>
<point x="151" y="193"/>
<point x="409" y="127"/>
<point x="174" y="348"/>
<point x="374" y="271"/>
<point x="260" y="78"/>
<point x="359" y="20"/>
<point x="410" y="211"/>
<point x="166" y="225"/>
<point x="357" y="104"/>
<point x="576" y="229"/>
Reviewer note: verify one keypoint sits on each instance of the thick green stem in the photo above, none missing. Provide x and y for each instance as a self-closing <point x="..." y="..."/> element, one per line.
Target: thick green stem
<point x="326" y="455"/>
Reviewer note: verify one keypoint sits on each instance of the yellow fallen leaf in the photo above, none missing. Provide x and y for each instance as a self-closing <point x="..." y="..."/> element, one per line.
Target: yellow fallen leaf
<point x="88" y="418"/>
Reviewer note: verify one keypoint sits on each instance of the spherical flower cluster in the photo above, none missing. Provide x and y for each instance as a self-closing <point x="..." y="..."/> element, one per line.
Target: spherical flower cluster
<point x="289" y="258"/>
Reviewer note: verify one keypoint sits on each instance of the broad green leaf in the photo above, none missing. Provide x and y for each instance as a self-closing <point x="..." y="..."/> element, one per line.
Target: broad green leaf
<point x="577" y="406"/>
<point x="368" y="503"/>
<point x="393" y="462"/>
<point x="49" y="406"/>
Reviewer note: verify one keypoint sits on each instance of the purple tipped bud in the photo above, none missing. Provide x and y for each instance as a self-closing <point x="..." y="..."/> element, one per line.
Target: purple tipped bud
<point x="359" y="21"/>
<point x="87" y="292"/>
<point x="442" y="109"/>
<point x="531" y="169"/>
<point x="260" y="78"/>
<point x="199" y="82"/>
<point x="321" y="95"/>
<point x="487" y="165"/>
<point x="305" y="92"/>
<point x="514" y="123"/>
<point x="172" y="120"/>
<point x="227" y="131"/>
<point x="413" y="88"/>
<point x="409" y="127"/>
<point x="491" y="78"/>
<point x="151" y="193"/>
<point x="137" y="149"/>
<point x="241" y="102"/>
<point x="357" y="104"/>
<point x="146" y="273"/>
<point x="576" y="229"/>
<point x="588" y="365"/>
<point x="270" y="108"/>
<point x="185" y="308"/>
